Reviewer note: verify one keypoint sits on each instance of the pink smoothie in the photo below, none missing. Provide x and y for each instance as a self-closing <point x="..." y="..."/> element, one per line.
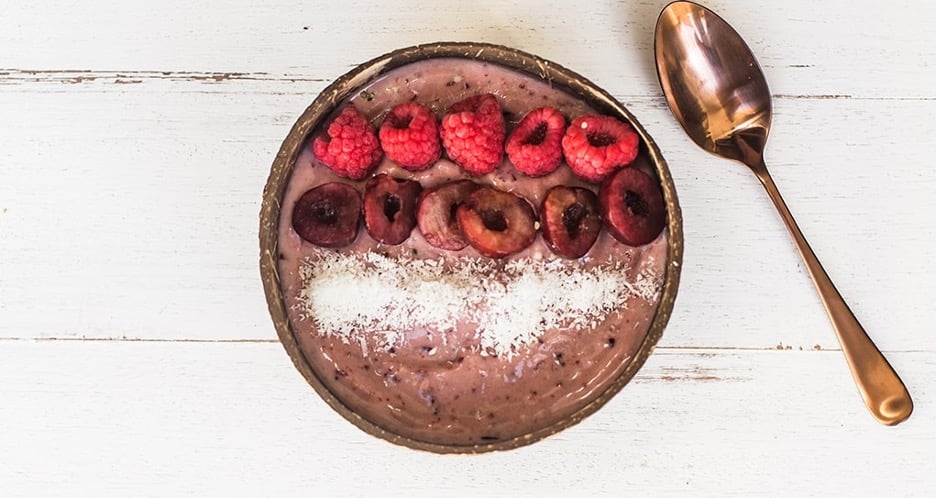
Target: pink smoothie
<point x="451" y="347"/>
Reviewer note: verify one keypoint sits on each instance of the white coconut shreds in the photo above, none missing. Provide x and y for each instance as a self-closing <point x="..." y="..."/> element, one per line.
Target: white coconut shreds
<point x="347" y="295"/>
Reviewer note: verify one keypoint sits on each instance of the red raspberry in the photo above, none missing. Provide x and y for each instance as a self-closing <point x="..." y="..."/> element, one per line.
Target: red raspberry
<point x="351" y="148"/>
<point x="473" y="133"/>
<point x="597" y="145"/>
<point x="535" y="146"/>
<point x="409" y="136"/>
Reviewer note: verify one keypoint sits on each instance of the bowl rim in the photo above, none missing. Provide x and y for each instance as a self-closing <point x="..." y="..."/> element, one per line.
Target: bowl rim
<point x="348" y="84"/>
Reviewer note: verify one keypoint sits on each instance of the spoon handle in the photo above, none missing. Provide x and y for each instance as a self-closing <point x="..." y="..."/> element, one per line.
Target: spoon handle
<point x="884" y="393"/>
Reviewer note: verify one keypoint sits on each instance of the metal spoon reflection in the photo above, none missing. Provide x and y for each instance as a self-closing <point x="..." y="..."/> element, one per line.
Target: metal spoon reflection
<point x="719" y="95"/>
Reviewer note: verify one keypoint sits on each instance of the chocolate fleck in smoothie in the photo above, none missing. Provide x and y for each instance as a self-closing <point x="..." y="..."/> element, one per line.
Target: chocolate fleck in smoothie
<point x="455" y="347"/>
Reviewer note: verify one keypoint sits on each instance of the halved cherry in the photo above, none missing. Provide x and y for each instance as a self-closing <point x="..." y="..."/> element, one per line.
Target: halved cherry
<point x="328" y="215"/>
<point x="390" y="208"/>
<point x="570" y="220"/>
<point x="435" y="214"/>
<point x="632" y="206"/>
<point x="497" y="223"/>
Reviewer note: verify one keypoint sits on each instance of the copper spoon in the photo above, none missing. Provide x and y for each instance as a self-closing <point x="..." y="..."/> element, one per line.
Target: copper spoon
<point x="719" y="95"/>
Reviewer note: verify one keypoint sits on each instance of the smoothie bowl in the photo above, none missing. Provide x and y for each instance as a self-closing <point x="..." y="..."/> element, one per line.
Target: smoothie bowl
<point x="467" y="248"/>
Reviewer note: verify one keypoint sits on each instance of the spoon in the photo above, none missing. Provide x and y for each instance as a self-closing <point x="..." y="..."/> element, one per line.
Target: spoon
<point x="719" y="95"/>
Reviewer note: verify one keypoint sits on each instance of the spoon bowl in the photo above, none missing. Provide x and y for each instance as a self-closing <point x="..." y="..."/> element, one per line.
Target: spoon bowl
<point x="713" y="82"/>
<point x="718" y="93"/>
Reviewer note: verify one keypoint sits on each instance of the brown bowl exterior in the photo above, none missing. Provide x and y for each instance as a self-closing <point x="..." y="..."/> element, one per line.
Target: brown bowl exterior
<point x="348" y="85"/>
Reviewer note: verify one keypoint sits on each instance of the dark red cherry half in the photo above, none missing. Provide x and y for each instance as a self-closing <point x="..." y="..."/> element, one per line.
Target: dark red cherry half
<point x="497" y="223"/>
<point x="390" y="208"/>
<point x="570" y="220"/>
<point x="328" y="215"/>
<point x="632" y="206"/>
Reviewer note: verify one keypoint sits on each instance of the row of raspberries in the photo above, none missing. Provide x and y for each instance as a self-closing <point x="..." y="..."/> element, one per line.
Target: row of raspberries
<point x="473" y="134"/>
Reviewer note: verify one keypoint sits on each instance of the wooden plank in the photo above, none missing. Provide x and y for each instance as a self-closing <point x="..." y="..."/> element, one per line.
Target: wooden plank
<point x="142" y="223"/>
<point x="136" y="141"/>
<point x="122" y="418"/>
<point x="807" y="48"/>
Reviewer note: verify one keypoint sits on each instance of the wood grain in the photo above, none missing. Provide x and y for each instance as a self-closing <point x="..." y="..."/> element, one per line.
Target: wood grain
<point x="156" y="210"/>
<point x="808" y="49"/>
<point x="137" y="356"/>
<point x="118" y="418"/>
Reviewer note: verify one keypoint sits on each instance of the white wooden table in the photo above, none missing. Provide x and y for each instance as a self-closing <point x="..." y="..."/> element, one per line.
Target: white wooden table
<point x="137" y="356"/>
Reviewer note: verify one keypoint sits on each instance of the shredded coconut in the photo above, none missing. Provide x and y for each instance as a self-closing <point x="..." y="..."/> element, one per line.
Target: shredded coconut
<point x="350" y="295"/>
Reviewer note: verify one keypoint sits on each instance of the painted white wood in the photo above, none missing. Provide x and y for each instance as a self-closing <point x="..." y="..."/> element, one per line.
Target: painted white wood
<point x="815" y="48"/>
<point x="121" y="418"/>
<point x="144" y="225"/>
<point x="135" y="140"/>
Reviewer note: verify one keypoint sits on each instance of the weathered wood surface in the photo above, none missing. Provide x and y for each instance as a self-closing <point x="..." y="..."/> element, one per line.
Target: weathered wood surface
<point x="137" y="356"/>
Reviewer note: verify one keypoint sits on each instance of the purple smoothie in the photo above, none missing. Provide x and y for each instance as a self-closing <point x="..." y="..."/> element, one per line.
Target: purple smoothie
<point x="450" y="347"/>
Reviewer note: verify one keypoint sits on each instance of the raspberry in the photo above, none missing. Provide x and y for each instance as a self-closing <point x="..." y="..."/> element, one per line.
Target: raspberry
<point x="409" y="136"/>
<point x="351" y="148"/>
<point x="473" y="134"/>
<point x="597" y="145"/>
<point x="535" y="146"/>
